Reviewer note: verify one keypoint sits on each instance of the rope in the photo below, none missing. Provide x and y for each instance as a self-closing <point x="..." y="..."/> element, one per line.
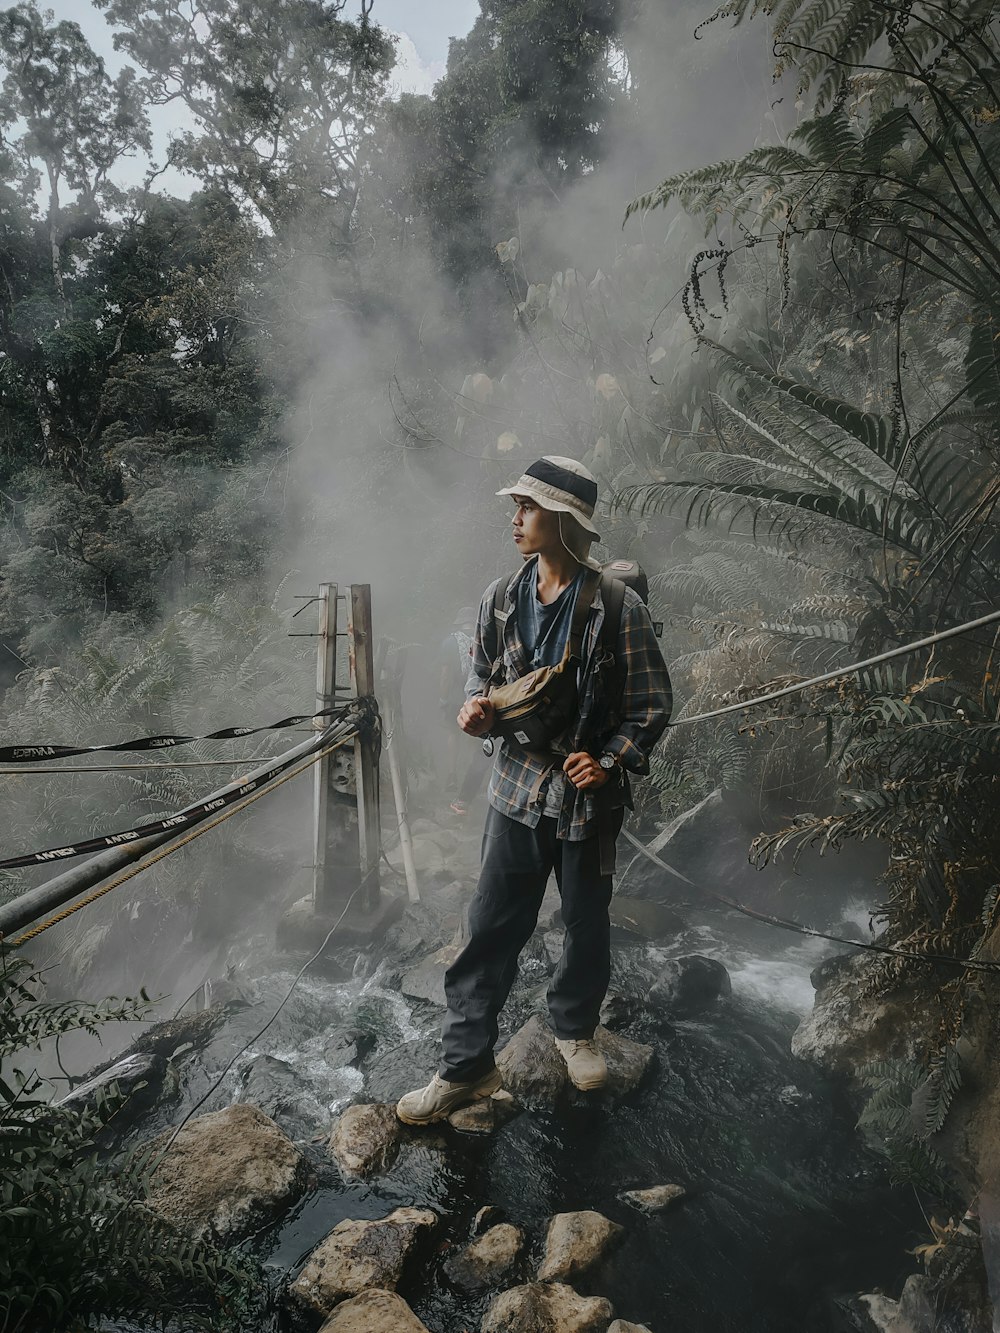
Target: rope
<point x="196" y="832"/>
<point x="939" y="637"/>
<point x="783" y="923"/>
<point x="128" y="768"/>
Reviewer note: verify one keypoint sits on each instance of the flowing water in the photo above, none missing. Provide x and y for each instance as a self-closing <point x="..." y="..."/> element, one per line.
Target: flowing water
<point x="786" y="1211"/>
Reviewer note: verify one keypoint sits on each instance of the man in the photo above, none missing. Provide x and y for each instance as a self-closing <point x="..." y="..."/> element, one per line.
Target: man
<point x="544" y="815"/>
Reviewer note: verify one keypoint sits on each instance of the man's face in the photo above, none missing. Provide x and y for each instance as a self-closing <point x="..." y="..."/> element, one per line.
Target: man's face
<point x="536" y="530"/>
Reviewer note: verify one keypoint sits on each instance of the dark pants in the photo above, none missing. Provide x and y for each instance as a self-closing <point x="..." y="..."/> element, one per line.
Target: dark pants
<point x="516" y="864"/>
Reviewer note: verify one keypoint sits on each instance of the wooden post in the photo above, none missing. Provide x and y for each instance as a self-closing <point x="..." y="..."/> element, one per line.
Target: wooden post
<point x="326" y="682"/>
<point x="361" y="651"/>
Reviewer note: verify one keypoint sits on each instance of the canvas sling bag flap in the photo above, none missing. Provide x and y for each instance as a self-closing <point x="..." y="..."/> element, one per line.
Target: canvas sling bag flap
<point x="534" y="710"/>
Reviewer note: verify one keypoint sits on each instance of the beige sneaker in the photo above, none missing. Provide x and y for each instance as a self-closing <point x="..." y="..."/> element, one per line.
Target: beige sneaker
<point x="424" y="1106"/>
<point x="586" y="1065"/>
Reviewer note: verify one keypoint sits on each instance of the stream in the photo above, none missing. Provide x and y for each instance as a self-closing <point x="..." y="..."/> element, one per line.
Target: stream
<point x="787" y="1214"/>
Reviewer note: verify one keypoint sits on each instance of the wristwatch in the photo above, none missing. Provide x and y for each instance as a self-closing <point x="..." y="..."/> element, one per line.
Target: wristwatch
<point x="608" y="761"/>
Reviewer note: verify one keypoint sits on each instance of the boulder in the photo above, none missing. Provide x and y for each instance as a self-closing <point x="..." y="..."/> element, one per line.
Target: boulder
<point x="225" y="1173"/>
<point x="374" y="1312"/>
<point x="138" y="1080"/>
<point x="574" y="1243"/>
<point x="535" y="1073"/>
<point x="487" y="1260"/>
<point x="625" y="1326"/>
<point x="277" y="1089"/>
<point x="851" y="1026"/>
<point x="485" y="1116"/>
<point x="546" y="1307"/>
<point x="487" y="1216"/>
<point x="690" y="984"/>
<point x="365" y="1140"/>
<point x="425" y="981"/>
<point x="654" y="1199"/>
<point x="636" y="919"/>
<point x="357" y="1256"/>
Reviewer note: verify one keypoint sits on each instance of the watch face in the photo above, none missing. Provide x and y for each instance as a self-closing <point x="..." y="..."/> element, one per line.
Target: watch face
<point x="607" y="761"/>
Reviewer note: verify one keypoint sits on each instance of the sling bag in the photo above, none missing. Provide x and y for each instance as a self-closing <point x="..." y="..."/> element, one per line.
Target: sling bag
<point x="534" y="710"/>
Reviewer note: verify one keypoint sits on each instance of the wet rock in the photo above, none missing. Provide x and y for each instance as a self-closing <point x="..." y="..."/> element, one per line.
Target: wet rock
<point x="531" y="1067"/>
<point x="366" y="1138"/>
<point x="912" y="1313"/>
<point x="688" y="985"/>
<point x="535" y="1073"/>
<point x="191" y="1031"/>
<point x="852" y="1024"/>
<point x="487" y="1217"/>
<point x="486" y="1116"/>
<point x="357" y="1256"/>
<point x="576" y="1242"/>
<point x="639" y="919"/>
<point x="487" y="1260"/>
<point x="348" y="1047"/>
<point x="139" y="1080"/>
<point x="654" y="1199"/>
<point x="546" y="1307"/>
<point x="278" y="1090"/>
<point x="426" y="980"/>
<point x="374" y="1312"/>
<point x="225" y="1173"/>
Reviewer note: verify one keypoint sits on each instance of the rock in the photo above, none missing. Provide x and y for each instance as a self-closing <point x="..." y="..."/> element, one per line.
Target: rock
<point x="850" y="1026"/>
<point x="486" y="1116"/>
<point x="366" y="1138"/>
<point x="575" y="1242"/>
<point x="356" y="1256"/>
<point x="546" y="1307"/>
<point x="654" y="1199"/>
<point x="627" y="1060"/>
<point x="225" y="1173"/>
<point x="426" y="980"/>
<point x="487" y="1217"/>
<point x="139" y="1078"/>
<point x="192" y="1031"/>
<point x="348" y="1047"/>
<point x="641" y="919"/>
<point x="277" y="1089"/>
<point x="531" y="1067"/>
<point x="535" y="1073"/>
<point x="374" y="1312"/>
<point x="688" y="985"/>
<point x="912" y="1313"/>
<point x="624" y="1326"/>
<point x="487" y="1260"/>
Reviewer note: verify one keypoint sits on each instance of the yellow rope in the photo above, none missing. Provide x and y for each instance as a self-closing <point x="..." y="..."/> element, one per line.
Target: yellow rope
<point x="196" y="832"/>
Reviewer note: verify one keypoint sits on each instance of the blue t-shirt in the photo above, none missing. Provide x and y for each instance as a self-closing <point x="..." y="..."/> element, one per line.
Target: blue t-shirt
<point x="544" y="630"/>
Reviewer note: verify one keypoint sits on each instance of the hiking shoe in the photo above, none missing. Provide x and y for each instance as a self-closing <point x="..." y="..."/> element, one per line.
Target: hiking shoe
<point x="586" y="1065"/>
<point x="424" y="1106"/>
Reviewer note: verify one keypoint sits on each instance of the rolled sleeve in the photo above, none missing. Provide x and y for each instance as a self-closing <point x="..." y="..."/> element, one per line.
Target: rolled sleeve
<point x="647" y="698"/>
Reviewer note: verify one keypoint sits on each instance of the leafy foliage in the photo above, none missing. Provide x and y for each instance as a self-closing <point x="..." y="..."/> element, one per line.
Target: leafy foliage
<point x="77" y="1242"/>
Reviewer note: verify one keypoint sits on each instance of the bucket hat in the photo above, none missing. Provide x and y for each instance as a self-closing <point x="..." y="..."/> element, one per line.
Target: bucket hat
<point x="562" y="485"/>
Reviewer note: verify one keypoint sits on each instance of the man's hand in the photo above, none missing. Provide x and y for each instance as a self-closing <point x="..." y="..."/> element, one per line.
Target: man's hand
<point x="584" y="771"/>
<point x="476" y="717"/>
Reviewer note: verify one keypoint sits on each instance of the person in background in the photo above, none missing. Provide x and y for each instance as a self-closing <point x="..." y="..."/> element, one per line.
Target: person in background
<point x="547" y="812"/>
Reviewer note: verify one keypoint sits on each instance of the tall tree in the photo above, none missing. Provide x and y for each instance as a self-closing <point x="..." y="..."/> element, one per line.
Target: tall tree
<point x="281" y="93"/>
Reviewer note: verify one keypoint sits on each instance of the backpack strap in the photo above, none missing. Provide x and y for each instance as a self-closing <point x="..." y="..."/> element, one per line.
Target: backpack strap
<point x="613" y="596"/>
<point x="494" y="645"/>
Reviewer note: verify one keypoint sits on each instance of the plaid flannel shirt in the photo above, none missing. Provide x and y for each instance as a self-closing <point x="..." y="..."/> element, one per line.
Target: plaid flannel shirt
<point x="519" y="781"/>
